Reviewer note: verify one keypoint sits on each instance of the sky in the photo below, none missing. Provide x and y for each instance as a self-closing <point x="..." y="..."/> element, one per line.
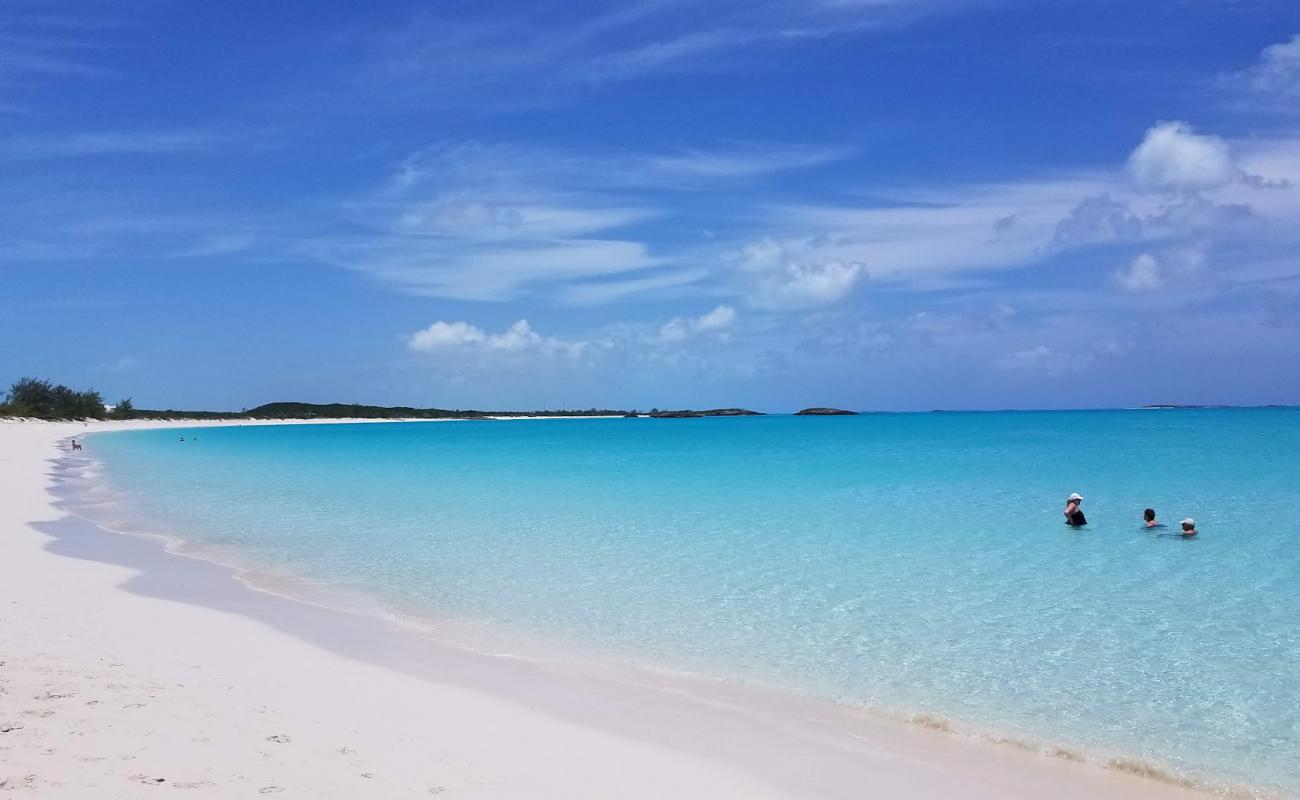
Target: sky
<point x="868" y="204"/>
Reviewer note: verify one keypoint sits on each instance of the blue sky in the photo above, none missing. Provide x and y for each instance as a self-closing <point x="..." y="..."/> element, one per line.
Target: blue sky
<point x="876" y="204"/>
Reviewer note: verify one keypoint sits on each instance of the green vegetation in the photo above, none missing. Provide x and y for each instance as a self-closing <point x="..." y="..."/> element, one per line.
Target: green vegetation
<point x="30" y="397"/>
<point x="123" y="410"/>
<point x="353" y="411"/>
<point x="712" y="412"/>
<point x="42" y="399"/>
<point x="358" y="411"/>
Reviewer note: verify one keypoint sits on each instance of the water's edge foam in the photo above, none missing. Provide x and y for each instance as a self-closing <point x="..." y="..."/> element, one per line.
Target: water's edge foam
<point x="468" y="636"/>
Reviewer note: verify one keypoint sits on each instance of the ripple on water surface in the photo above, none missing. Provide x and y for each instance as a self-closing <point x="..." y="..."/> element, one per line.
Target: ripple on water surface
<point x="915" y="564"/>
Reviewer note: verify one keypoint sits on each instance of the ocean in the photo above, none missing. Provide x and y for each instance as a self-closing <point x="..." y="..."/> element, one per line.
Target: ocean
<point x="915" y="565"/>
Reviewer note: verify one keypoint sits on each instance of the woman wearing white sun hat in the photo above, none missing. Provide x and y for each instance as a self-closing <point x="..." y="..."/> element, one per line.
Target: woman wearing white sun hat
<point x="1073" y="514"/>
<point x="1189" y="527"/>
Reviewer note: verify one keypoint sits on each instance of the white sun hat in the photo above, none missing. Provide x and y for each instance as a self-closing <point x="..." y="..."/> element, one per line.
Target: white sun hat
<point x="1188" y="521"/>
<point x="1075" y="496"/>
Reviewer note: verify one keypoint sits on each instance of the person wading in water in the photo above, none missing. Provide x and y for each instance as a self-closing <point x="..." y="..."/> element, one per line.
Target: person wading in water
<point x="1073" y="514"/>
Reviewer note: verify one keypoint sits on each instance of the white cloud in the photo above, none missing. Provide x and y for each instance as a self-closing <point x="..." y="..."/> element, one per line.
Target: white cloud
<point x="719" y="319"/>
<point x="924" y="238"/>
<point x="603" y="291"/>
<point x="804" y="286"/>
<point x="539" y="57"/>
<point x="1278" y="70"/>
<point x="442" y="335"/>
<point x="718" y="322"/>
<point x="1173" y="270"/>
<point x="1097" y="219"/>
<point x="1141" y="275"/>
<point x="780" y="281"/>
<point x="1173" y="158"/>
<point x="462" y="337"/>
<point x="743" y="160"/>
<point x="517" y="337"/>
<point x="484" y="222"/>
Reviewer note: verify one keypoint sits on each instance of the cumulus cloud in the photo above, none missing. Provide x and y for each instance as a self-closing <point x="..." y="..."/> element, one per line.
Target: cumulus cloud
<point x="720" y="318"/>
<point x="1169" y="270"/>
<point x="1097" y="219"/>
<point x="781" y="282"/>
<point x="1104" y="220"/>
<point x="719" y="322"/>
<point x="1141" y="275"/>
<point x="1173" y="158"/>
<point x="443" y="335"/>
<point x="520" y="337"/>
<point x="1278" y="70"/>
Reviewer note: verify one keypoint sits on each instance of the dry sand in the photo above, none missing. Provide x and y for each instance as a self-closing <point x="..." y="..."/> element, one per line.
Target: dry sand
<point x="128" y="671"/>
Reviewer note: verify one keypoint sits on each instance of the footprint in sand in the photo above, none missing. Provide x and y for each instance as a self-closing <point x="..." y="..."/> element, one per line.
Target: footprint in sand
<point x="270" y="790"/>
<point x="279" y="737"/>
<point x="9" y="727"/>
<point x="28" y="781"/>
<point x="145" y="779"/>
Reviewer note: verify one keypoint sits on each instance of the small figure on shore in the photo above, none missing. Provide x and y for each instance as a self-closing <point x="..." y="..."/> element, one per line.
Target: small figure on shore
<point x="76" y="445"/>
<point x="1189" y="527"/>
<point x="1073" y="514"/>
<point x="1149" y="517"/>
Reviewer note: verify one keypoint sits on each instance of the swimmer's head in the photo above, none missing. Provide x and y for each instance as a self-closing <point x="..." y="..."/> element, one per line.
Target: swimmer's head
<point x="1075" y="498"/>
<point x="1149" y="515"/>
<point x="1189" y="524"/>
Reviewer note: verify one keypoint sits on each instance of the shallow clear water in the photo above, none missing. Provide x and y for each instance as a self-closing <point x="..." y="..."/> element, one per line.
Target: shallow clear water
<point x="913" y="563"/>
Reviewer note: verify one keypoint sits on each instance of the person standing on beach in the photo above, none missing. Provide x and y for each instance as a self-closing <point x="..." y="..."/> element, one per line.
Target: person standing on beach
<point x="1189" y="527"/>
<point x="1073" y="514"/>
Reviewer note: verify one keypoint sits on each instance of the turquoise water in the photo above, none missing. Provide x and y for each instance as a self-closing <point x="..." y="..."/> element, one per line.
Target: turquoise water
<point x="910" y="563"/>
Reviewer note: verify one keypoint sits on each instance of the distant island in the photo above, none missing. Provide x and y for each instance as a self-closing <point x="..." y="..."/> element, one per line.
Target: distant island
<point x="713" y="412"/>
<point x="1156" y="406"/>
<point x="42" y="399"/>
<point x="284" y="410"/>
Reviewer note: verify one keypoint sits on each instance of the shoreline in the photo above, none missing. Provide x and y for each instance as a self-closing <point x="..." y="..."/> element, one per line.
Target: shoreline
<point x="705" y="737"/>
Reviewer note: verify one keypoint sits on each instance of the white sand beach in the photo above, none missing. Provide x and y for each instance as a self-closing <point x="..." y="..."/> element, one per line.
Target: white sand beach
<point x="127" y="671"/>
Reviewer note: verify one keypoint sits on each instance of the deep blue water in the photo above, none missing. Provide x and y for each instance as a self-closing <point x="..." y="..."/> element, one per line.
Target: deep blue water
<point x="911" y="563"/>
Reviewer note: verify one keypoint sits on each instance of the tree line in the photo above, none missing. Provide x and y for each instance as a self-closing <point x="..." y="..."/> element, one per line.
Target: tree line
<point x="42" y="399"/>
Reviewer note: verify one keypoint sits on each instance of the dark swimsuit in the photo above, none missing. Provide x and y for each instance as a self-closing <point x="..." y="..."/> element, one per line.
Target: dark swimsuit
<point x="1076" y="519"/>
